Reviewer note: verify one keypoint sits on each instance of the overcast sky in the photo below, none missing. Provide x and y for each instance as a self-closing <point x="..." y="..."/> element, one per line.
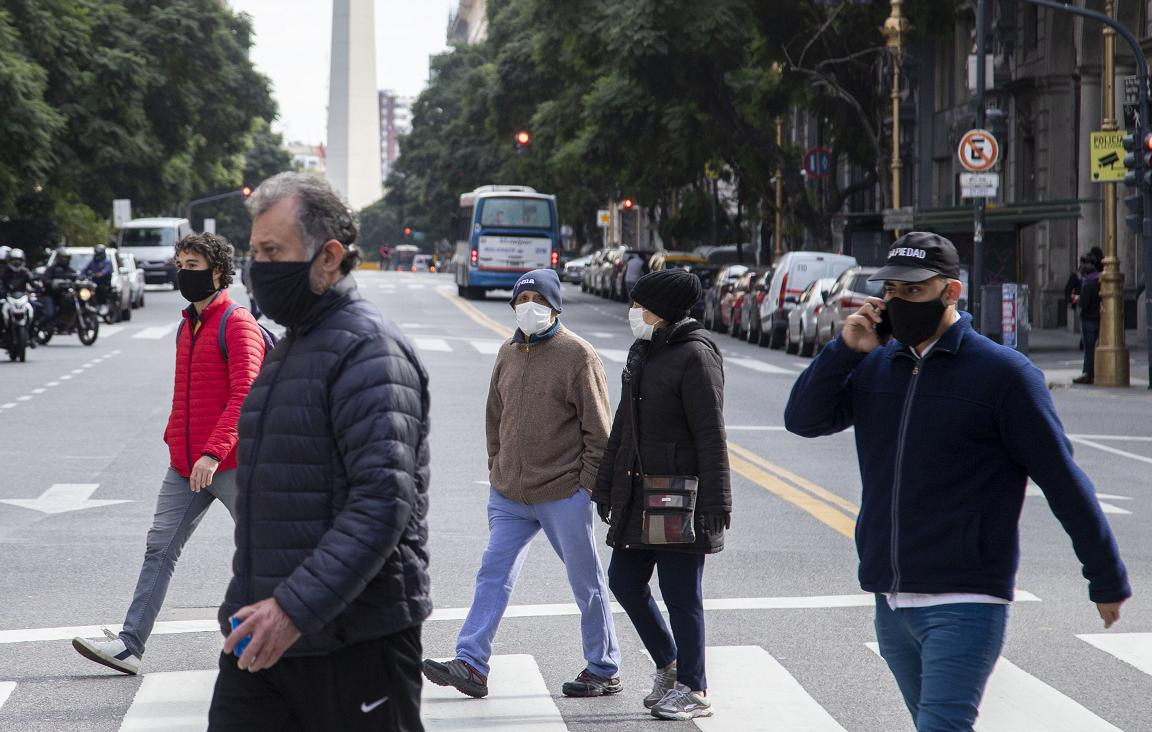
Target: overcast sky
<point x="293" y="39"/>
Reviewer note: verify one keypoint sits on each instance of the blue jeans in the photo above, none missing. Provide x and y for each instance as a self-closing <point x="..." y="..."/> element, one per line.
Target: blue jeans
<point x="178" y="513"/>
<point x="681" y="576"/>
<point x="941" y="657"/>
<point x="1090" y="332"/>
<point x="568" y="526"/>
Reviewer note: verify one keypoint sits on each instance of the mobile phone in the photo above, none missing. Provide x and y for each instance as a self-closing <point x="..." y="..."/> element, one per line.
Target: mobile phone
<point x="239" y="649"/>
<point x="884" y="327"/>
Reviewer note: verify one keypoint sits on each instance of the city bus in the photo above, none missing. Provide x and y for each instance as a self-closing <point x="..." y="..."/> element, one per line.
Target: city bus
<point x="501" y="233"/>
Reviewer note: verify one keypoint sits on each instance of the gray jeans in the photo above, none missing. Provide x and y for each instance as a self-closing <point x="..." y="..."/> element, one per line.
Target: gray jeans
<point x="178" y="513"/>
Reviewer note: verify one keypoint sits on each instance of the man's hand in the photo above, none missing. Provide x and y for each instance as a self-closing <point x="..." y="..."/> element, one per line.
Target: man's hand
<point x="605" y="511"/>
<point x="202" y="473"/>
<point x="1109" y="612"/>
<point x="272" y="633"/>
<point x="859" y="332"/>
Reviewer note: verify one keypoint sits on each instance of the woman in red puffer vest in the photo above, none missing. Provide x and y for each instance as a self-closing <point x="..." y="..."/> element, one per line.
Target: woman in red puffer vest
<point x="210" y="387"/>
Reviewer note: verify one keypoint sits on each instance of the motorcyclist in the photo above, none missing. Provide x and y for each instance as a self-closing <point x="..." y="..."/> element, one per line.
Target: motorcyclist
<point x="15" y="276"/>
<point x="4" y="255"/>
<point x="99" y="270"/>
<point x="60" y="269"/>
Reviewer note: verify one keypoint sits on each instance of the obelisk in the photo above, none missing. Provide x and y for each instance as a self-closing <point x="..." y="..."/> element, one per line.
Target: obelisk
<point x="353" y="162"/>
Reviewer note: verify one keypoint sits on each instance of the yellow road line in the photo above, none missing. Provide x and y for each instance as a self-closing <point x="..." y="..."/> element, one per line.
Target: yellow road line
<point x="475" y="315"/>
<point x="789" y="476"/>
<point x="820" y="510"/>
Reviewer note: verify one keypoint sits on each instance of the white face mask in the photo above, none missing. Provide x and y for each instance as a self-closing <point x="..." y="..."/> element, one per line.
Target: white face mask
<point x="640" y="329"/>
<point x="532" y="317"/>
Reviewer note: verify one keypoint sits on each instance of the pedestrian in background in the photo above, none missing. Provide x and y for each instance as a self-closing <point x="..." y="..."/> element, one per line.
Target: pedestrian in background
<point x="1089" y="303"/>
<point x="949" y="428"/>
<point x="210" y="386"/>
<point x="663" y="486"/>
<point x="546" y="424"/>
<point x="330" y="575"/>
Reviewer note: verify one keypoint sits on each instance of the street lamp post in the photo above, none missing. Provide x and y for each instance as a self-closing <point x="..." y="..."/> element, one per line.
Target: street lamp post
<point x="1111" y="352"/>
<point x="894" y="28"/>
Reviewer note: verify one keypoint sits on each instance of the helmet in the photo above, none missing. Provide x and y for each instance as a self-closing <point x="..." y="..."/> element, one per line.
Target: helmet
<point x="100" y="249"/>
<point x="16" y="258"/>
<point x="4" y="252"/>
<point x="62" y="256"/>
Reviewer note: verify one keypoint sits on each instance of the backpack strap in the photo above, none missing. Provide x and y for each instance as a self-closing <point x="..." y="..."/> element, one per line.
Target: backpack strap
<point x="220" y="340"/>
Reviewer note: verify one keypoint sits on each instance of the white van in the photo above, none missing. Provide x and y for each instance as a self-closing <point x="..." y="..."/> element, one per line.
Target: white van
<point x="792" y="275"/>
<point x="153" y="243"/>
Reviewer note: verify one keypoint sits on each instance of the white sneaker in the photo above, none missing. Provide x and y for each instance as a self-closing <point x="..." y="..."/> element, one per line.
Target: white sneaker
<point x="681" y="704"/>
<point x="111" y="652"/>
<point x="663" y="681"/>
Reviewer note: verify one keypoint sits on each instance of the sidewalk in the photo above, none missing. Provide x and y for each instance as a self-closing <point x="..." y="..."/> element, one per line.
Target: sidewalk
<point x="1057" y="352"/>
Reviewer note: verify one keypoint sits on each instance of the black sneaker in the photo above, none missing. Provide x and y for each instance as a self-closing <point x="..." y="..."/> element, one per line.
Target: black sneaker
<point x="459" y="675"/>
<point x="589" y="684"/>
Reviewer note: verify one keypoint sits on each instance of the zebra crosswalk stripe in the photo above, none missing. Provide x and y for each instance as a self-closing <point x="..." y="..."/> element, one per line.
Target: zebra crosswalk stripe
<point x="517" y="697"/>
<point x="174" y="701"/>
<point x="431" y="344"/>
<point x="157" y="332"/>
<point x="1017" y="701"/>
<point x="764" y="368"/>
<point x="1132" y="648"/>
<point x="769" y="699"/>
<point x="6" y="689"/>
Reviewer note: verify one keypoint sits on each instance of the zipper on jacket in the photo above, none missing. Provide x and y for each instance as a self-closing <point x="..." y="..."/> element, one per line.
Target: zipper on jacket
<point x="188" y="398"/>
<point x="895" y="536"/>
<point x="246" y="490"/>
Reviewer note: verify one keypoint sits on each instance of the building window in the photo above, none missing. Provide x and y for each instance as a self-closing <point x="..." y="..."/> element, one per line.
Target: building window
<point x="1031" y="27"/>
<point x="1027" y="169"/>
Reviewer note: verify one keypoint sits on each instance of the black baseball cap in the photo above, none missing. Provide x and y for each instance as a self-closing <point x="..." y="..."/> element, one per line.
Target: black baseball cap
<point x="919" y="256"/>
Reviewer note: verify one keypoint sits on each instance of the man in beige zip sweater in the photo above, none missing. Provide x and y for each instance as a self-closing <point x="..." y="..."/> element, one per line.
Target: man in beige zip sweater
<point x="547" y="423"/>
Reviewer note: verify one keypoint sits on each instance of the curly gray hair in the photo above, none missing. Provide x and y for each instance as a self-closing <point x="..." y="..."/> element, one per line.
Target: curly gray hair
<point x="320" y="213"/>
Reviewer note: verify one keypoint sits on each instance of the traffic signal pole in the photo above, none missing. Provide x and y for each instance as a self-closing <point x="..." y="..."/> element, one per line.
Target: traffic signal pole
<point x="1142" y="125"/>
<point x="976" y="285"/>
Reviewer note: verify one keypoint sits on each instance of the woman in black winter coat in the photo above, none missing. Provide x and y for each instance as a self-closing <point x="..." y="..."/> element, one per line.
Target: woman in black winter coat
<point x="672" y="408"/>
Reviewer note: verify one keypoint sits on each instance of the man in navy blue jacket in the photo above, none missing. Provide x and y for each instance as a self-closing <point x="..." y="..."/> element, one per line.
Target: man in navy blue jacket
<point x="949" y="427"/>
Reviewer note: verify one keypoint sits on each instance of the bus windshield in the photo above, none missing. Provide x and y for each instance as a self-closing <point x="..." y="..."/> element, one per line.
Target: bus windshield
<point x="516" y="213"/>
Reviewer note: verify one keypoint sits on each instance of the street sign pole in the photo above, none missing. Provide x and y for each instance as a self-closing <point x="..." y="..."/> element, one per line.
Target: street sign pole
<point x="975" y="291"/>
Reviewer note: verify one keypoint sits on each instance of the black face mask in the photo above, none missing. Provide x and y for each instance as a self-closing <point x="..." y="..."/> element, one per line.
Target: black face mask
<point x="195" y="284"/>
<point x="283" y="290"/>
<point x="915" y="322"/>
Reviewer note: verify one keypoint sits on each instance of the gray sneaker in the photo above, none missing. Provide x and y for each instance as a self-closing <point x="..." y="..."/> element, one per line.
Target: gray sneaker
<point x="663" y="681"/>
<point x="680" y="704"/>
<point x="459" y="675"/>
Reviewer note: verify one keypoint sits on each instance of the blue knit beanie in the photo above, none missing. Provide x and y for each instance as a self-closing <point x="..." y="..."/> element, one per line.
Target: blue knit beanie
<point x="542" y="281"/>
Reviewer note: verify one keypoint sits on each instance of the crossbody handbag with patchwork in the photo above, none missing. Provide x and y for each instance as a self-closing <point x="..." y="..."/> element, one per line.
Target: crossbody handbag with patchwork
<point x="669" y="500"/>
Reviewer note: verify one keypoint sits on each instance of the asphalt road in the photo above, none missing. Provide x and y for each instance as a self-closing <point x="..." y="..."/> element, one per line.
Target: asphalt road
<point x="787" y="630"/>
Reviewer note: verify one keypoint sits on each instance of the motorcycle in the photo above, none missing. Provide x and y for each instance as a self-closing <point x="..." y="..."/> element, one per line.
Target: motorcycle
<point x="76" y="314"/>
<point x="16" y="318"/>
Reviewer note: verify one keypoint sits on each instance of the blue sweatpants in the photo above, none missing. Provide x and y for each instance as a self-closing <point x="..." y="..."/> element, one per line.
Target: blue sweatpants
<point x="512" y="526"/>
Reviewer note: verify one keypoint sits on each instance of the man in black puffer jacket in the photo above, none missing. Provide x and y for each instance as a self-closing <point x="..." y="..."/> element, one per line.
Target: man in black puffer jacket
<point x="330" y="570"/>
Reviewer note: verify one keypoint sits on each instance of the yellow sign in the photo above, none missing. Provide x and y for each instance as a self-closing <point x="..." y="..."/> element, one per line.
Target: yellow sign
<point x="1108" y="157"/>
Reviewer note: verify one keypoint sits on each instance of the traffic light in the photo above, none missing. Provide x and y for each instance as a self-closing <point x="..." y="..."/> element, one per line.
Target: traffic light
<point x="1138" y="163"/>
<point x="246" y="191"/>
<point x="628" y="204"/>
<point x="407" y="231"/>
<point x="523" y="141"/>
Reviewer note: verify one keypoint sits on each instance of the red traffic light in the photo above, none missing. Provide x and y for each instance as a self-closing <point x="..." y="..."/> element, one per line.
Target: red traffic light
<point x="523" y="138"/>
<point x="1148" y="141"/>
<point x="628" y="203"/>
<point x="246" y="191"/>
<point x="407" y="231"/>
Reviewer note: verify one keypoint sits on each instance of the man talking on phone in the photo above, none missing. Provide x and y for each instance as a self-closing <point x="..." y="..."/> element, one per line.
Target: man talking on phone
<point x="949" y="428"/>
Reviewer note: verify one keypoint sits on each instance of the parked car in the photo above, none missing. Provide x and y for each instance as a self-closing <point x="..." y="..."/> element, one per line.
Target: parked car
<point x="668" y="260"/>
<point x="135" y="277"/>
<point x="573" y="270"/>
<point x="802" y="329"/>
<point x="794" y="272"/>
<point x="602" y="281"/>
<point x="714" y="296"/>
<point x="728" y="254"/>
<point x="706" y="273"/>
<point x="119" y="304"/>
<point x="741" y="291"/>
<point x="618" y="288"/>
<point x="750" y="308"/>
<point x="851" y="290"/>
<point x="588" y="276"/>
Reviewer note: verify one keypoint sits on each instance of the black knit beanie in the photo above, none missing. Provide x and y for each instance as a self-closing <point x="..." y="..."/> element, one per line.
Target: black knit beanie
<point x="669" y="293"/>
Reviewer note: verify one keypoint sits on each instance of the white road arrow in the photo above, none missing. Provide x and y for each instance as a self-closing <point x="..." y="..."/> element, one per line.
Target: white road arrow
<point x="61" y="498"/>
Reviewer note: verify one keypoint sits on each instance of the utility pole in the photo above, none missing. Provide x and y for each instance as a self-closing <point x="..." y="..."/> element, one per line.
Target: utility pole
<point x="975" y="286"/>
<point x="1111" y="352"/>
<point x="779" y="235"/>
